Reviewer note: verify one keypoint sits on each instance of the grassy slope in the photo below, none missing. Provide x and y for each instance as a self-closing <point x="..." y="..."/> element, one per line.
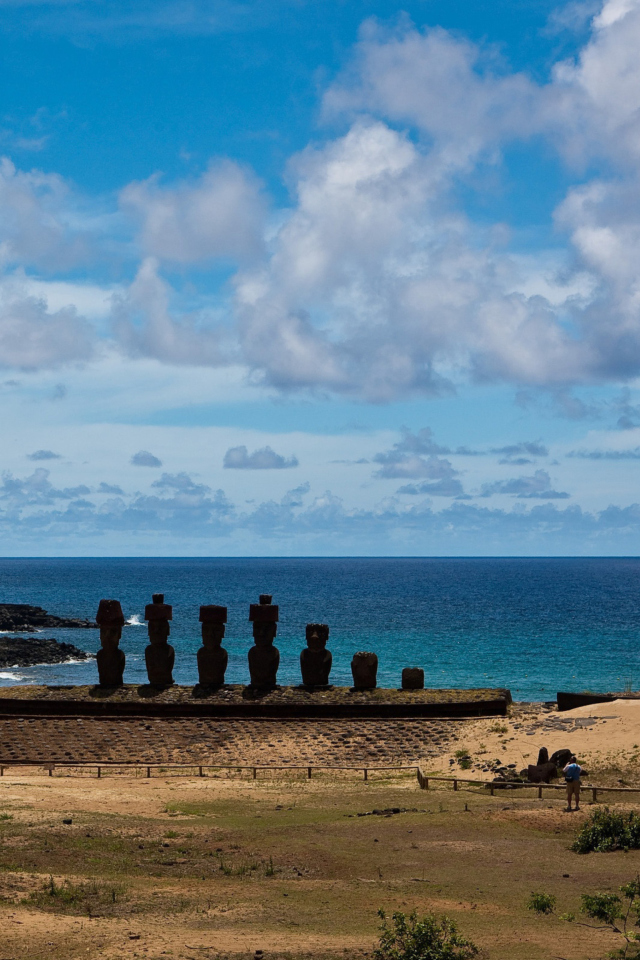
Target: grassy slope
<point x="203" y="869"/>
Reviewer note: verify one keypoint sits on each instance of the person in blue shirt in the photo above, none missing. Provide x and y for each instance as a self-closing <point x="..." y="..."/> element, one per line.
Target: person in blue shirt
<point x="572" y="773"/>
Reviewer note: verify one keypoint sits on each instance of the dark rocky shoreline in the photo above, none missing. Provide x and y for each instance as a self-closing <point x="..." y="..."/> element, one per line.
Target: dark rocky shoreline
<point x="30" y="651"/>
<point x="24" y="618"/>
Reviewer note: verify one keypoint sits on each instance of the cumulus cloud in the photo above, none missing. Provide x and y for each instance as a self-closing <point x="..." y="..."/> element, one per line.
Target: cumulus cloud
<point x="145" y="459"/>
<point x="537" y="487"/>
<point x="32" y="338"/>
<point x="633" y="454"/>
<point x="36" y="489"/>
<point x="415" y="456"/>
<point x="239" y="458"/>
<point x="219" y="215"/>
<point x="41" y="222"/>
<point x="111" y="488"/>
<point x="520" y="453"/>
<point x="145" y="324"/>
<point x="31" y="510"/>
<point x="447" y="487"/>
<point x="43" y="455"/>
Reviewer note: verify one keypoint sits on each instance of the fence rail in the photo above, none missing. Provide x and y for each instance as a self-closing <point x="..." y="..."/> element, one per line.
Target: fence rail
<point x="202" y="768"/>
<point x="423" y="780"/>
<point x="66" y="768"/>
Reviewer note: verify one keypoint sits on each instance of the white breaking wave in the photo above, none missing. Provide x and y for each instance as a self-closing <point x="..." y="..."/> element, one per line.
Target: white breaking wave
<point x="11" y="676"/>
<point x="134" y="621"/>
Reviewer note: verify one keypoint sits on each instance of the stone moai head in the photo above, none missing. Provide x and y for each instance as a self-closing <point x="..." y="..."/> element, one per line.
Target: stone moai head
<point x="158" y="615"/>
<point x="317" y="636"/>
<point x="213" y="619"/>
<point x="264" y="616"/>
<point x="110" y="619"/>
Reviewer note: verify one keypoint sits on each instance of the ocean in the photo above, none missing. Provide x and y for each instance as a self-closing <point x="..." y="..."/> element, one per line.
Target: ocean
<point x="534" y="625"/>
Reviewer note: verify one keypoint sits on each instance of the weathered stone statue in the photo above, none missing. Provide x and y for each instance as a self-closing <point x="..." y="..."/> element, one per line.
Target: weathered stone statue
<point x="159" y="655"/>
<point x="110" y="657"/>
<point x="264" y="658"/>
<point x="543" y="756"/>
<point x="315" y="659"/>
<point x="212" y="657"/>
<point x="413" y="678"/>
<point x="364" y="668"/>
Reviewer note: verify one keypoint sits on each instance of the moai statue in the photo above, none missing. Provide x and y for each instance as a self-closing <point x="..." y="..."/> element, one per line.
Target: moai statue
<point x="315" y="659"/>
<point x="159" y="655"/>
<point x="413" y="678"/>
<point x="264" y="658"/>
<point x="364" y="668"/>
<point x="212" y="657"/>
<point x="110" y="657"/>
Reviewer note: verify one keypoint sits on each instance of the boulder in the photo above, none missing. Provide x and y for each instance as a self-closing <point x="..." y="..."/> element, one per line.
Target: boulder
<point x="542" y="773"/>
<point x="561" y="758"/>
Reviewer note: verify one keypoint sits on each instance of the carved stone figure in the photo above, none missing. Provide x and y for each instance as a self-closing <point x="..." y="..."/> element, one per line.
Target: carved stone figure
<point x="110" y="658"/>
<point x="364" y="668"/>
<point x="543" y="756"/>
<point x="315" y="659"/>
<point x="413" y="678"/>
<point x="212" y="657"/>
<point x="159" y="655"/>
<point x="264" y="658"/>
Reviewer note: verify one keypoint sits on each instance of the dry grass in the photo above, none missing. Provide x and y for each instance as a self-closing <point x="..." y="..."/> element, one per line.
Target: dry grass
<point x="186" y="868"/>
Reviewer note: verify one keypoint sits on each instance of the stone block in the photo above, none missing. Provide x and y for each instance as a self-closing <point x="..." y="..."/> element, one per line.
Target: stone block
<point x="413" y="678"/>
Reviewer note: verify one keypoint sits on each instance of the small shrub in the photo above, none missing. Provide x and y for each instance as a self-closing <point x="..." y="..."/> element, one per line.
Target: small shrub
<point x="461" y="754"/>
<point x="541" y="902"/>
<point x="607" y="830"/>
<point x="465" y="763"/>
<point x="620" y="914"/>
<point x="6" y="816"/>
<point x="498" y="728"/>
<point x="426" y="938"/>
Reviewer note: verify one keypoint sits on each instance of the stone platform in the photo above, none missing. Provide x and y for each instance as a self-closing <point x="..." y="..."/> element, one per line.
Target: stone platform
<point x="237" y="702"/>
<point x="210" y="741"/>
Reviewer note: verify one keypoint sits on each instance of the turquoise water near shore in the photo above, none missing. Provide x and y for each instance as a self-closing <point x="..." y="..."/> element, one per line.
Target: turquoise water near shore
<point x="534" y="625"/>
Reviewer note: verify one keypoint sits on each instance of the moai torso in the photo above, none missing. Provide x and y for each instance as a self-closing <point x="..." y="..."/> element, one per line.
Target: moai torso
<point x="159" y="656"/>
<point x="212" y="657"/>
<point x="264" y="658"/>
<point x="364" y="668"/>
<point x="110" y="659"/>
<point x="315" y="659"/>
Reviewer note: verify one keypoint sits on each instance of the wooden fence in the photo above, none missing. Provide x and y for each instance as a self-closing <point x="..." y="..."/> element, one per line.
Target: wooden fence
<point x="148" y="770"/>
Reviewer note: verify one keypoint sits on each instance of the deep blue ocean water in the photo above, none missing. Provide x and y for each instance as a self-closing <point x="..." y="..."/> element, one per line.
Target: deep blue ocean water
<point x="534" y="625"/>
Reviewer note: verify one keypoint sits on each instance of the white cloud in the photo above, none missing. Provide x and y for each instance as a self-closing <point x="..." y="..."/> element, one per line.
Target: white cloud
<point x="40" y="223"/>
<point x="238" y="458"/>
<point x="219" y="215"/>
<point x="145" y="459"/>
<point x="145" y="325"/>
<point x="32" y="338"/>
<point x="536" y="487"/>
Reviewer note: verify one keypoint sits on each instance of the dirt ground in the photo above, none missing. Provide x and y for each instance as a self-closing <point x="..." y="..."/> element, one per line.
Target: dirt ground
<point x="177" y="867"/>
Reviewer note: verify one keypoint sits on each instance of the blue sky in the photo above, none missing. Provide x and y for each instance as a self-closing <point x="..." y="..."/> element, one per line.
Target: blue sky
<point x="319" y="278"/>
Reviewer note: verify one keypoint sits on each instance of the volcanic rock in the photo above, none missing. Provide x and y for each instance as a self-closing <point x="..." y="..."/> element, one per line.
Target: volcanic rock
<point x="23" y="618"/>
<point x="29" y="651"/>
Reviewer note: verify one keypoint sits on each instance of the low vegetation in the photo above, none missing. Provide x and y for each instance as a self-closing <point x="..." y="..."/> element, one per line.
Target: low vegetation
<point x="425" y="938"/>
<point x="607" y="830"/>
<point x="619" y="913"/>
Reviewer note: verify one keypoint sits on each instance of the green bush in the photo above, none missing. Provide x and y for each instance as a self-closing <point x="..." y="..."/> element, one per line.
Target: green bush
<point x="427" y="938"/>
<point x="542" y="902"/>
<point x="606" y="830"/>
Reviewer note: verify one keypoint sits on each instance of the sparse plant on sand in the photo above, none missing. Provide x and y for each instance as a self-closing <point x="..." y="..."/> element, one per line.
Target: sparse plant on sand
<point x="409" y="937"/>
<point x="618" y="913"/>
